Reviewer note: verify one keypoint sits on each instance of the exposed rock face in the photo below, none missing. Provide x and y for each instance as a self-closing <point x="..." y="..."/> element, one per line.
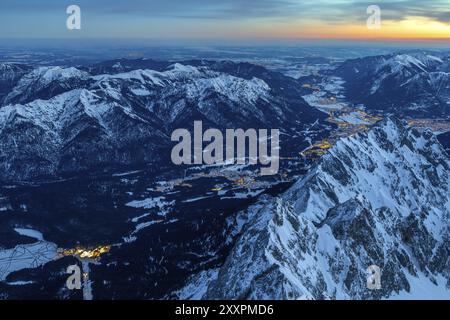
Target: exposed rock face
<point x="378" y="198"/>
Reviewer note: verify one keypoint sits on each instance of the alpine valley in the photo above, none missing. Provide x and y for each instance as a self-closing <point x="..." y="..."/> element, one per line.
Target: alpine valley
<point x="86" y="176"/>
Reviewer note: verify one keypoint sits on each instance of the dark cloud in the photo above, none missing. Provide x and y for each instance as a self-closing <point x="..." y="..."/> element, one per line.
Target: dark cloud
<point x="223" y="9"/>
<point x="328" y="11"/>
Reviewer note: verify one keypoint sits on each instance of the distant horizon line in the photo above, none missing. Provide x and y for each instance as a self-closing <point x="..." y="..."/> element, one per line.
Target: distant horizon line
<point x="172" y="42"/>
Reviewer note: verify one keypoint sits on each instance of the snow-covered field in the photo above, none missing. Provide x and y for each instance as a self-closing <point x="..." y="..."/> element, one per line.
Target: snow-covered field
<point x="26" y="256"/>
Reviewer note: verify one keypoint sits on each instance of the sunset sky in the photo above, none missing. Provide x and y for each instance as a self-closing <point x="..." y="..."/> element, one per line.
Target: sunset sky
<point x="225" y="19"/>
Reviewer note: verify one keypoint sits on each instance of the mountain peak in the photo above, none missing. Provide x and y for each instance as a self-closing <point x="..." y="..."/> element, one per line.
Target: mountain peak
<point x="413" y="83"/>
<point x="378" y="198"/>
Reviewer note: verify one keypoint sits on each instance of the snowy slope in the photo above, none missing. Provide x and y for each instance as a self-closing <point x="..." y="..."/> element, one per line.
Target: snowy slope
<point x="418" y="81"/>
<point x="10" y="74"/>
<point x="45" y="82"/>
<point x="378" y="198"/>
<point x="63" y="121"/>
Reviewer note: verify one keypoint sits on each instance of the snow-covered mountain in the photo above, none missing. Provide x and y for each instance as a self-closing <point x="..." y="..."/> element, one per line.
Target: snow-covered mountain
<point x="58" y="121"/>
<point x="377" y="198"/>
<point x="44" y="83"/>
<point x="418" y="81"/>
<point x="10" y="74"/>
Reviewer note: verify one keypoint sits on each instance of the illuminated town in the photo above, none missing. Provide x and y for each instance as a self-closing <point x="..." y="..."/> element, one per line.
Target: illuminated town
<point x="85" y="253"/>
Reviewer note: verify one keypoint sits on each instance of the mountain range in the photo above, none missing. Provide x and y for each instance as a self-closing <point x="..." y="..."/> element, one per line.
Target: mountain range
<point x="85" y="153"/>
<point x="62" y="121"/>
<point x="377" y="198"/>
<point x="405" y="84"/>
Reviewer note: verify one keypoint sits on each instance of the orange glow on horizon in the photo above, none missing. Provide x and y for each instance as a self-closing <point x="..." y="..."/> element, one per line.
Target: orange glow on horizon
<point x="410" y="29"/>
